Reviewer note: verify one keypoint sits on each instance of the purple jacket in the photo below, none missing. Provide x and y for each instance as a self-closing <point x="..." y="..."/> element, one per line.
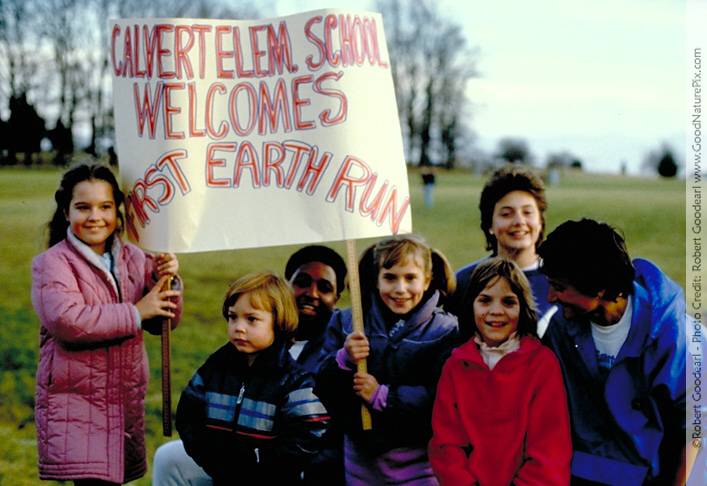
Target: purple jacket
<point x="92" y="373"/>
<point x="409" y="363"/>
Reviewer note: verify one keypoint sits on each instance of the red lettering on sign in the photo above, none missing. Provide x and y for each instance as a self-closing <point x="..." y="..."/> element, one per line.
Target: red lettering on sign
<point x="273" y="157"/>
<point x="147" y="108"/>
<point x="211" y="162"/>
<point x="171" y="110"/>
<point x="246" y="159"/>
<point x="208" y="117"/>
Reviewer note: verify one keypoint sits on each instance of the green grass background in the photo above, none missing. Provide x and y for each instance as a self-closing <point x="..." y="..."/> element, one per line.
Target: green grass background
<point x="650" y="212"/>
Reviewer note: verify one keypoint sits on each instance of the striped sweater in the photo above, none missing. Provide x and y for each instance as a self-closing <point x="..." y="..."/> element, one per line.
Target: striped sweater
<point x="251" y="422"/>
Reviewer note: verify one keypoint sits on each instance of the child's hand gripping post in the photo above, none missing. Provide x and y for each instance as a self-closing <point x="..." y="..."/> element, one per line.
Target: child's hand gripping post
<point x="358" y="350"/>
<point x="158" y="303"/>
<point x="359" y="338"/>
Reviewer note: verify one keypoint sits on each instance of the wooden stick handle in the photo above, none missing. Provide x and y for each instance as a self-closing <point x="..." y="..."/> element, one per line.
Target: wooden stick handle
<point x="357" y="316"/>
<point x="166" y="373"/>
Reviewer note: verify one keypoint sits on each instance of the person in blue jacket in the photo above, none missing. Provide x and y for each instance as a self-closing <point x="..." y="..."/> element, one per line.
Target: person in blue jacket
<point x="317" y="275"/>
<point x="620" y="339"/>
<point x="512" y="207"/>
<point x="249" y="415"/>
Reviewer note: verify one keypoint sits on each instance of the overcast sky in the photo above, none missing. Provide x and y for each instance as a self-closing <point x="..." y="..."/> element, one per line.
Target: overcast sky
<point x="603" y="79"/>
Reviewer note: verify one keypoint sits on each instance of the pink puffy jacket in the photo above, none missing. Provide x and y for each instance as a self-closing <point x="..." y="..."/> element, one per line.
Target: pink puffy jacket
<point x="92" y="374"/>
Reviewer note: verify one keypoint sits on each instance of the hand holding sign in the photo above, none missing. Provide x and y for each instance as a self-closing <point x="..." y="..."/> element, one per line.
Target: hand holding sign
<point x="365" y="385"/>
<point x="356" y="346"/>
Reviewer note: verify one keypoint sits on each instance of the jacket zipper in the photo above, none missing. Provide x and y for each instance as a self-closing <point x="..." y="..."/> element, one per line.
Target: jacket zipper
<point x="239" y="400"/>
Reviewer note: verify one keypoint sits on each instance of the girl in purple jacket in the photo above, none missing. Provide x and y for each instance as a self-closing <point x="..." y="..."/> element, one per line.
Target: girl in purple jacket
<point x="94" y="296"/>
<point x="406" y="341"/>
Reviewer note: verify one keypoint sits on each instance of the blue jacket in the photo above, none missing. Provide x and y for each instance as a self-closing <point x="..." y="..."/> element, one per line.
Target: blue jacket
<point x="410" y="363"/>
<point x="630" y="429"/>
<point x="251" y="423"/>
<point x="311" y="355"/>
<point x="463" y="310"/>
<point x="327" y="467"/>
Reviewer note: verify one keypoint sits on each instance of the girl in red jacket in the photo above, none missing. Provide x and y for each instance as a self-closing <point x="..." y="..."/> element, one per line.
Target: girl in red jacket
<point x="94" y="295"/>
<point x="500" y="414"/>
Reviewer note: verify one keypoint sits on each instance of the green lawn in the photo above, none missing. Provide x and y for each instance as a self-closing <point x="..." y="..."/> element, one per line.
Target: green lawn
<point x="650" y="212"/>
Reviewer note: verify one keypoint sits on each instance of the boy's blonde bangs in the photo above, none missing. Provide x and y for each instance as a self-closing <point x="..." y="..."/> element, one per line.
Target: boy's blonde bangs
<point x="267" y="292"/>
<point x="260" y="299"/>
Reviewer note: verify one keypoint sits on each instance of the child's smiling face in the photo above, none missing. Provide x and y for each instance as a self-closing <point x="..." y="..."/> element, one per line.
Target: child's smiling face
<point x="250" y="329"/>
<point x="516" y="223"/>
<point x="496" y="312"/>
<point x="402" y="286"/>
<point x="92" y="213"/>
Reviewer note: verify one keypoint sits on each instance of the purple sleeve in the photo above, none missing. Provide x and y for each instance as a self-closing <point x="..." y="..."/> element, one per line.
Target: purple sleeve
<point x="379" y="400"/>
<point x="342" y="360"/>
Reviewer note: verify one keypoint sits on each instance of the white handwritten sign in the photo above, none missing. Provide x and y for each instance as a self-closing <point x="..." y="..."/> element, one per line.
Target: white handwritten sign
<point x="236" y="134"/>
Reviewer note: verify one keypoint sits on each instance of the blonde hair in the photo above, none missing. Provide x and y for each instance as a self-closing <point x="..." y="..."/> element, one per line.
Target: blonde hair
<point x="270" y="293"/>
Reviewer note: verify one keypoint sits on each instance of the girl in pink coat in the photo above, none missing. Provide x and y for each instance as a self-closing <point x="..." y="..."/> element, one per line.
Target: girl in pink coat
<point x="94" y="296"/>
<point x="500" y="414"/>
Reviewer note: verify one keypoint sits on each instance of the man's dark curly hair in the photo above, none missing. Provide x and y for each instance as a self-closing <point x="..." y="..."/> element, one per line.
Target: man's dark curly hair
<point x="589" y="255"/>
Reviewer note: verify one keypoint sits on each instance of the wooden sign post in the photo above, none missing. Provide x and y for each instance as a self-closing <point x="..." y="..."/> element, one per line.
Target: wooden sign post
<point x="357" y="316"/>
<point x="166" y="373"/>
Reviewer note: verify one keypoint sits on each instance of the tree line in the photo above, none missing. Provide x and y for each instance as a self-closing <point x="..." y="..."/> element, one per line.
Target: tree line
<point x="54" y="69"/>
<point x="55" y="72"/>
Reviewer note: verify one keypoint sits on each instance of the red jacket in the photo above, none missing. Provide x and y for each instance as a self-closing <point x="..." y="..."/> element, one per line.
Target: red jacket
<point x="92" y="373"/>
<point x="501" y="426"/>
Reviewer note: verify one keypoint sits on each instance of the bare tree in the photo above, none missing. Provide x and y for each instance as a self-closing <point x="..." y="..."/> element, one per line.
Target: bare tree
<point x="431" y="65"/>
<point x="404" y="67"/>
<point x="54" y="53"/>
<point x="215" y="9"/>
<point x="62" y="30"/>
<point x="99" y="107"/>
<point x="77" y="32"/>
<point x="17" y="67"/>
<point x="452" y="107"/>
<point x="19" y="61"/>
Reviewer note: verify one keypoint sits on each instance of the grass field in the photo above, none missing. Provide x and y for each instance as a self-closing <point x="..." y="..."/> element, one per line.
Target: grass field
<point x="650" y="212"/>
